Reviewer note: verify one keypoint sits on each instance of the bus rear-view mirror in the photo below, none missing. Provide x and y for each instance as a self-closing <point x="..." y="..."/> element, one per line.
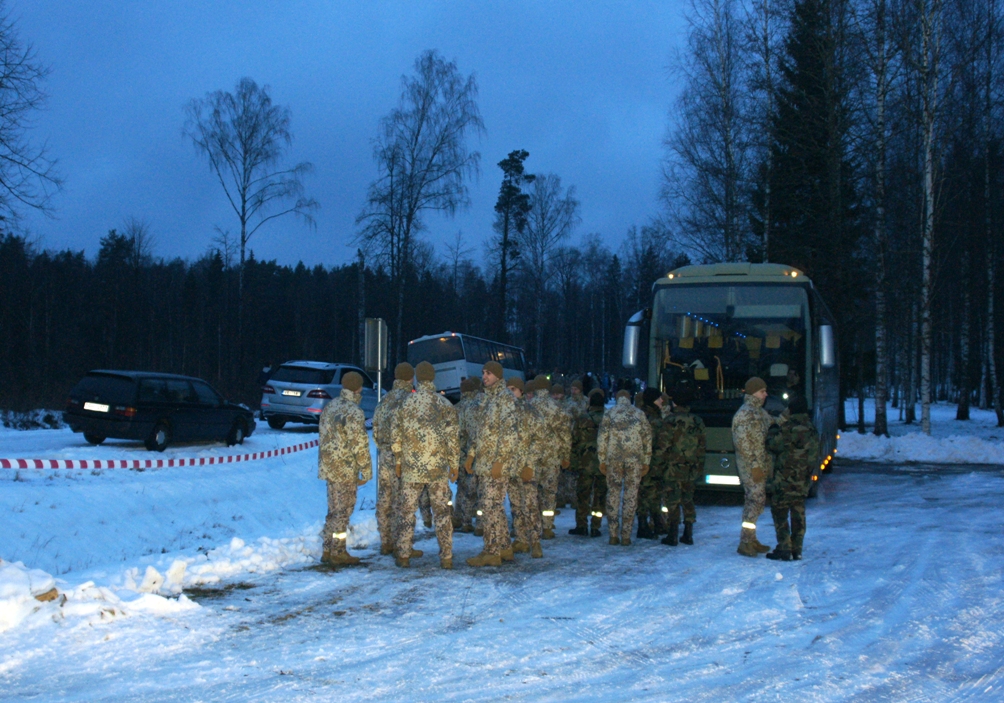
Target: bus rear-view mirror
<point x="827" y="347"/>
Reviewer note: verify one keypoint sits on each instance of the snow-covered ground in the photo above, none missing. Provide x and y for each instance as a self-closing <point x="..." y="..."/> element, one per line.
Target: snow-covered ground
<point x="974" y="441"/>
<point x="200" y="583"/>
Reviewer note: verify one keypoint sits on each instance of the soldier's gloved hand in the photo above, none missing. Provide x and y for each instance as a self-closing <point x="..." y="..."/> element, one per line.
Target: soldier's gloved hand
<point x="526" y="474"/>
<point x="644" y="469"/>
<point x="497" y="469"/>
<point x="397" y="469"/>
<point x="468" y="463"/>
<point x="360" y="481"/>
<point x="757" y="474"/>
<point x="454" y="473"/>
<point x="565" y="463"/>
<point x="603" y="469"/>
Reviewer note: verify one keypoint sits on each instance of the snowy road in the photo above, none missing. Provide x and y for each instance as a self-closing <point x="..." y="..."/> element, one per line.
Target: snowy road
<point x="899" y="597"/>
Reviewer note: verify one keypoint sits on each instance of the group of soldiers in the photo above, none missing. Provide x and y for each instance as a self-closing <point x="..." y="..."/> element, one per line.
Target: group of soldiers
<point x="521" y="441"/>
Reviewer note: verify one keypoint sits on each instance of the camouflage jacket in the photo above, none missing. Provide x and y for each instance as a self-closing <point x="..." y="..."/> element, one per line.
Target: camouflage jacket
<point x="532" y="435"/>
<point x="575" y="407"/>
<point x="344" y="449"/>
<point x="425" y="436"/>
<point x="584" y="438"/>
<point x="625" y="436"/>
<point x="383" y="416"/>
<point x="685" y="461"/>
<point x="467" y="415"/>
<point x="662" y="440"/>
<point x="796" y="447"/>
<point x="556" y="444"/>
<point x="497" y="436"/>
<point x="749" y="435"/>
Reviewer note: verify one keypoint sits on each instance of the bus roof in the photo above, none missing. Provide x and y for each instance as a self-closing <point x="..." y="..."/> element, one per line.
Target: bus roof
<point x="734" y="272"/>
<point x="444" y="335"/>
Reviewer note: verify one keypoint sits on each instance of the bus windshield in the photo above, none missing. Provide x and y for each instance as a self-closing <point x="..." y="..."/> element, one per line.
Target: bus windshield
<point x="711" y="338"/>
<point x="436" y="351"/>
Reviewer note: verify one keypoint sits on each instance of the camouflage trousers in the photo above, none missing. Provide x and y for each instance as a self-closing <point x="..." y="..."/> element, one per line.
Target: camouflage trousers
<point x="649" y="494"/>
<point x="523" y="501"/>
<point x="491" y="499"/>
<point x="547" y="488"/>
<point x="756" y="496"/>
<point x="789" y="539"/>
<point x="466" y="503"/>
<point x="386" y="505"/>
<point x="440" y="496"/>
<point x="620" y="515"/>
<point x="590" y="499"/>
<point x="341" y="503"/>
<point x="425" y="506"/>
<point x="677" y="495"/>
<point x="567" y="485"/>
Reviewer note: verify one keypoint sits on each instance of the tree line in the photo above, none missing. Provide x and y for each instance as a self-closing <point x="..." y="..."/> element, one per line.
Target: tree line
<point x="859" y="140"/>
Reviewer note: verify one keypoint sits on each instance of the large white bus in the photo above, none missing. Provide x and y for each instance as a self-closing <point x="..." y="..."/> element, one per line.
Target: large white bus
<point x="712" y="327"/>
<point x="459" y="356"/>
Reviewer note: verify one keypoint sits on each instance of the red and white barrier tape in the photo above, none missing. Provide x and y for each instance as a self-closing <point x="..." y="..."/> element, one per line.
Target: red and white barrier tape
<point x="148" y="463"/>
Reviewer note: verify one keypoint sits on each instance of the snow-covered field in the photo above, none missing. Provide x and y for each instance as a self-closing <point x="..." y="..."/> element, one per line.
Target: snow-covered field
<point x="200" y="583"/>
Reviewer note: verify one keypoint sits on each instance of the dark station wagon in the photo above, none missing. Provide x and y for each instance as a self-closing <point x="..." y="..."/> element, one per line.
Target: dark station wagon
<point x="157" y="408"/>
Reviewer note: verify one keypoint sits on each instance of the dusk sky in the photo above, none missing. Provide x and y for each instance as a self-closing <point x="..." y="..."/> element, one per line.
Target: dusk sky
<point x="585" y="87"/>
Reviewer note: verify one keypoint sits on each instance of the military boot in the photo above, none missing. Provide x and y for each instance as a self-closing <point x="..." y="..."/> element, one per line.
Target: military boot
<point x="415" y="553"/>
<point x="385" y="550"/>
<point x="594" y="526"/>
<point x="343" y="559"/>
<point x="401" y="562"/>
<point x="688" y="533"/>
<point x="581" y="531"/>
<point x="483" y="559"/>
<point x="779" y="554"/>
<point x="507" y="555"/>
<point x="548" y="533"/>
<point x="520" y="547"/>
<point x="796" y="556"/>
<point x="536" y="552"/>
<point x="657" y="526"/>
<point x="746" y="547"/>
<point x="446" y="563"/>
<point x="760" y="547"/>
<point x="614" y="540"/>
<point x="326" y="556"/>
<point x="672" y="537"/>
<point x="644" y="531"/>
<point x="625" y="541"/>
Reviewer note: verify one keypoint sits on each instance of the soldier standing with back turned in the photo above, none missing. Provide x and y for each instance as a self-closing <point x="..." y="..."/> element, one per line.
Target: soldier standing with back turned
<point x="796" y="445"/>
<point x="426" y="444"/>
<point x="387" y="480"/>
<point x="344" y="462"/>
<point x="684" y="464"/>
<point x="624" y="447"/>
<point x="467" y="483"/>
<point x="555" y="452"/>
<point x="591" y="488"/>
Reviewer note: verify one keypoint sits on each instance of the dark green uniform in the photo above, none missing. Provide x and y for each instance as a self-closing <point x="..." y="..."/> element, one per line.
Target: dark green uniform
<point x="650" y="490"/>
<point x="795" y="445"/>
<point x="684" y="463"/>
<point x="591" y="485"/>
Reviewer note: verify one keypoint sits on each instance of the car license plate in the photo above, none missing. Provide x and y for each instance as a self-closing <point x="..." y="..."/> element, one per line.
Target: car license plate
<point x="295" y="394"/>
<point x="96" y="407"/>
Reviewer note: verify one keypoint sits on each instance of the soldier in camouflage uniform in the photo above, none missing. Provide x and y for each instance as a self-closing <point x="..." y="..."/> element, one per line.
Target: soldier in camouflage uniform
<point x="496" y="450"/>
<point x="749" y="435"/>
<point x="522" y="489"/>
<point x="591" y="489"/>
<point x="684" y="463"/>
<point x="387" y="480"/>
<point x="555" y="451"/>
<point x="796" y="446"/>
<point x="344" y="462"/>
<point x="466" y="502"/>
<point x="624" y="448"/>
<point x="574" y="405"/>
<point x="426" y="444"/>
<point x="651" y="486"/>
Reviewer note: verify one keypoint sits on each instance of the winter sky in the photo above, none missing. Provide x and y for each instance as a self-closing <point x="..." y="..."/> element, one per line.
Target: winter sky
<point x="583" y="86"/>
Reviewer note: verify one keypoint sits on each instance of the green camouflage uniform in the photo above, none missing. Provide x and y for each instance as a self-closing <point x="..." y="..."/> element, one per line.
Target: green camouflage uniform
<point x="568" y="482"/>
<point x="387" y="481"/>
<point x="684" y="463"/>
<point x="591" y="488"/>
<point x="749" y="435"/>
<point x="496" y="441"/>
<point x="426" y="441"/>
<point x="796" y="446"/>
<point x="624" y="444"/>
<point x="343" y="457"/>
<point x="651" y="486"/>
<point x="555" y="450"/>
<point x="466" y="503"/>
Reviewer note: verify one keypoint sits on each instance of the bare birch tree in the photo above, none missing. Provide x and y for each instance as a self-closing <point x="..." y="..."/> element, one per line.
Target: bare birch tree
<point x="705" y="175"/>
<point x="424" y="163"/>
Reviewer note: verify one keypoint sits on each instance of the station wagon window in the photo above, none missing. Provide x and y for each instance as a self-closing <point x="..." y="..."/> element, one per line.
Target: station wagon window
<point x="116" y="390"/>
<point x="152" y="390"/>
<point x="206" y="395"/>
<point x="180" y="392"/>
